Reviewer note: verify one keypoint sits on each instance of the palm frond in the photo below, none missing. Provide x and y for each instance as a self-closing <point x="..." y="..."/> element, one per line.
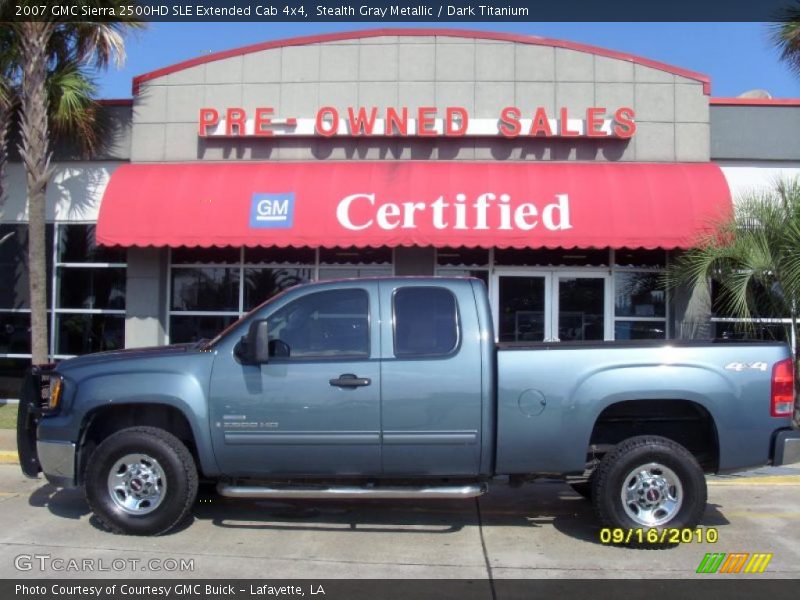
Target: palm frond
<point x="72" y="111"/>
<point x="785" y="35"/>
<point x="754" y="257"/>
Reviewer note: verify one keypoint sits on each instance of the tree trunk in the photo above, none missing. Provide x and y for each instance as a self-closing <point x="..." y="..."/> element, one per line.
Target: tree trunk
<point x="35" y="152"/>
<point x="5" y="124"/>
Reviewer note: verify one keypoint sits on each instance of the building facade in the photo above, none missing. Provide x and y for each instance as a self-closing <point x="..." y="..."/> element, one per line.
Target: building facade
<point x="564" y="176"/>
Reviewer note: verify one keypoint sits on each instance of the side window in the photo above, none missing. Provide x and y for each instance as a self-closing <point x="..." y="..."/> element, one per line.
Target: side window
<point x="333" y="324"/>
<point x="425" y="322"/>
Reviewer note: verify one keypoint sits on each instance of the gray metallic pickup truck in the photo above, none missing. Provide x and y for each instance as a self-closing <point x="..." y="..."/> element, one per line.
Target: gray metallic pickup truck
<point x="395" y="388"/>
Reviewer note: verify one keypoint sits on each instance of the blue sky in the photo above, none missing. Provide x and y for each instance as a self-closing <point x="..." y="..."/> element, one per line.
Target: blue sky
<point x="737" y="56"/>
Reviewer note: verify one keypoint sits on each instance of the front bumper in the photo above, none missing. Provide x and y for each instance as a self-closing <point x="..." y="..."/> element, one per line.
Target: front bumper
<point x="58" y="462"/>
<point x="787" y="447"/>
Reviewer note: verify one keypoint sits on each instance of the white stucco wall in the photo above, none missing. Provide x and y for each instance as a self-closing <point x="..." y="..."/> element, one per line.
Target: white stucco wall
<point x="751" y="176"/>
<point x="73" y="195"/>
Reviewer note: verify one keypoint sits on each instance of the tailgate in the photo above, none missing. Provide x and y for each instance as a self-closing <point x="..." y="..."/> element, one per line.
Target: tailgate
<point x="34" y="394"/>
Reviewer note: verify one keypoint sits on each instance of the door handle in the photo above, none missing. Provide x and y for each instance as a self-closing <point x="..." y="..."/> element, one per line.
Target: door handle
<point x="350" y="380"/>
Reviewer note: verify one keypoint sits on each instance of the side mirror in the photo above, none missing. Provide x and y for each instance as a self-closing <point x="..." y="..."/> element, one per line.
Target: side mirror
<point x="254" y="347"/>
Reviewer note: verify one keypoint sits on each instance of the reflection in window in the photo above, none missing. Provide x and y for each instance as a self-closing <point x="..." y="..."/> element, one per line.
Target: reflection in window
<point x="261" y="284"/>
<point x="639" y="294"/>
<point x="205" y="288"/>
<point x="522" y="305"/>
<point x="639" y="330"/>
<point x="426" y="322"/>
<point x="12" y="370"/>
<point x="85" y="333"/>
<point x="77" y="244"/>
<point x="193" y="328"/>
<point x="15" y="334"/>
<point x="91" y="288"/>
<point x="331" y="324"/>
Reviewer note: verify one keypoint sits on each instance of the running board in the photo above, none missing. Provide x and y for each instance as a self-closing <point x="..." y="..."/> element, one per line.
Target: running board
<point x="344" y="492"/>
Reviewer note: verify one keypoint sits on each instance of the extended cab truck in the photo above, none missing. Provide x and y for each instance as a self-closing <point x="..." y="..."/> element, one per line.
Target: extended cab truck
<point x="395" y="388"/>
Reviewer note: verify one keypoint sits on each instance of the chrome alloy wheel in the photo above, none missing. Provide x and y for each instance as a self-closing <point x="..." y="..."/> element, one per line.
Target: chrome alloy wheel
<point x="137" y="484"/>
<point x="651" y="494"/>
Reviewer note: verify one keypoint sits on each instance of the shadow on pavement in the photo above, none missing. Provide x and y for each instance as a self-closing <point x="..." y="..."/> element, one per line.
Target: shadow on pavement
<point x="550" y="503"/>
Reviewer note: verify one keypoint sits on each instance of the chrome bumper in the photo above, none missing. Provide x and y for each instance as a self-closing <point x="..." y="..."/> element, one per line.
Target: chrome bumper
<point x="58" y="462"/>
<point x="787" y="447"/>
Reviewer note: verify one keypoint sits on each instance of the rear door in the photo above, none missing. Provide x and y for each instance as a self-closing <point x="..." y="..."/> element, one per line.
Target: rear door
<point x="430" y="379"/>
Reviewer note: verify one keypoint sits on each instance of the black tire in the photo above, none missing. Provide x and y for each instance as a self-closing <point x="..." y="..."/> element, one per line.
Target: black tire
<point x="612" y="473"/>
<point x="176" y="464"/>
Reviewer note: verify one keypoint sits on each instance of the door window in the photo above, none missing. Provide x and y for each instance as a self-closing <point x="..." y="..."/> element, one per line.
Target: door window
<point x="331" y="324"/>
<point x="426" y="322"/>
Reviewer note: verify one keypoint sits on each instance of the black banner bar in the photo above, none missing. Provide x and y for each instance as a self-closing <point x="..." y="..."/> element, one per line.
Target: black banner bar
<point x="709" y="588"/>
<point x="382" y="11"/>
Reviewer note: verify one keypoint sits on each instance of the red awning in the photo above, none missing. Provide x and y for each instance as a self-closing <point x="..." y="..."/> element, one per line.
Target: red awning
<point x="394" y="203"/>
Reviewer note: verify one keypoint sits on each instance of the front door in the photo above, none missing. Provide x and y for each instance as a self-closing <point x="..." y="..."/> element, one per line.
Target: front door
<point x="551" y="305"/>
<point x="314" y="408"/>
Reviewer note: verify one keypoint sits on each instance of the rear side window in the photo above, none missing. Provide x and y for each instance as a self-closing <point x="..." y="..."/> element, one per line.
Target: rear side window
<point x="425" y="322"/>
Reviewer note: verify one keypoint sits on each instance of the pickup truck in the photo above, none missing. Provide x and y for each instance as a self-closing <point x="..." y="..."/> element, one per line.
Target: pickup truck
<point x="396" y="388"/>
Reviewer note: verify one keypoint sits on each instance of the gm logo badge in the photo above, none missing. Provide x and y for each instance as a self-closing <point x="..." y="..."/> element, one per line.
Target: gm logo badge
<point x="272" y="211"/>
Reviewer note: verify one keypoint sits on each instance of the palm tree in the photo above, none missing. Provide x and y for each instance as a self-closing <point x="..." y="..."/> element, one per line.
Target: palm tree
<point x="754" y="258"/>
<point x="786" y="36"/>
<point x="43" y="48"/>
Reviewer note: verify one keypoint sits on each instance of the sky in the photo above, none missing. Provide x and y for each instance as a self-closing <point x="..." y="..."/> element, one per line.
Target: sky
<point x="737" y="56"/>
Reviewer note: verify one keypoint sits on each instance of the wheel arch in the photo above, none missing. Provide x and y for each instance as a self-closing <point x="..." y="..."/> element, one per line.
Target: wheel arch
<point x="104" y="420"/>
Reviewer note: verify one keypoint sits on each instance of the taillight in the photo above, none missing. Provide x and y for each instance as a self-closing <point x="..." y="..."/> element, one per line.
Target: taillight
<point x="782" y="401"/>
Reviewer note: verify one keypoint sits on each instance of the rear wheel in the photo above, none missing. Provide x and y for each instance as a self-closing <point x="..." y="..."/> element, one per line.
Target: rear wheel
<point x="649" y="482"/>
<point x="141" y="481"/>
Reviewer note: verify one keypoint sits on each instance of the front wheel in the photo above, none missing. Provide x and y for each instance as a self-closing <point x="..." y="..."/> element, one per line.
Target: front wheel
<point x="141" y="481"/>
<point x="649" y="482"/>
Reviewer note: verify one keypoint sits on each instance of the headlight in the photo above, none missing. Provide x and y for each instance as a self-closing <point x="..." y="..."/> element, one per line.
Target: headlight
<point x="56" y="389"/>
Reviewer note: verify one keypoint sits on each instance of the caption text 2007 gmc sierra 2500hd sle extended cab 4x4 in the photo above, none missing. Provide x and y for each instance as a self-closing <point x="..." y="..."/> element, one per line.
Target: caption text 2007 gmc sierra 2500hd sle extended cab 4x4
<point x="395" y="388"/>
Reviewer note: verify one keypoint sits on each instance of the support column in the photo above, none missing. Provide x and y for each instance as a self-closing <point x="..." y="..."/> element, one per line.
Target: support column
<point x="146" y="297"/>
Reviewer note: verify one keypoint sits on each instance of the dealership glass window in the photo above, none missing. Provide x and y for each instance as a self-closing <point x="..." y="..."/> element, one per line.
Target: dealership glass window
<point x="15" y="308"/>
<point x="90" y="285"/>
<point x="767" y="322"/>
<point x="211" y="288"/>
<point x="85" y="297"/>
<point x="640" y="299"/>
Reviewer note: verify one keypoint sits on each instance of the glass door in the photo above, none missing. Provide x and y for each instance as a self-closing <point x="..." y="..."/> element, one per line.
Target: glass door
<point x="551" y="305"/>
<point x="521" y="304"/>
<point x="580" y="307"/>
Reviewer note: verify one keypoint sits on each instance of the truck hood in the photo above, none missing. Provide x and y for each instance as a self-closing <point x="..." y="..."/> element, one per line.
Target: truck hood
<point x="128" y="355"/>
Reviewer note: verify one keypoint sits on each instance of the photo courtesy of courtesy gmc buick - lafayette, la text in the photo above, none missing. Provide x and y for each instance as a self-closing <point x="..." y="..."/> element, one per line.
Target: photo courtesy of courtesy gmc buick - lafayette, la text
<point x="395" y="388"/>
